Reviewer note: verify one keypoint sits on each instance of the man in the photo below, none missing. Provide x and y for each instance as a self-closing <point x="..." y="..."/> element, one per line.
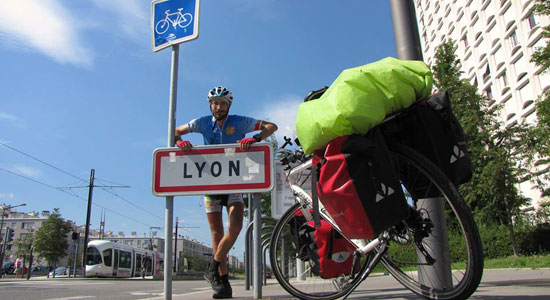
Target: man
<point x="222" y="128"/>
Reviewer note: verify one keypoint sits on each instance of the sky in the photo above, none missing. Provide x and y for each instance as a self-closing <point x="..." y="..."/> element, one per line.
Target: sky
<point x="81" y="89"/>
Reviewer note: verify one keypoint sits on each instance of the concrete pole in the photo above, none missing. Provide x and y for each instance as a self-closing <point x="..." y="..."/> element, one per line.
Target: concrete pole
<point x="407" y="44"/>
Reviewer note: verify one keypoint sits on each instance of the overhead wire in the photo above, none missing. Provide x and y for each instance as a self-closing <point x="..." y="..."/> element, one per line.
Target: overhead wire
<point x="72" y="194"/>
<point x="80" y="179"/>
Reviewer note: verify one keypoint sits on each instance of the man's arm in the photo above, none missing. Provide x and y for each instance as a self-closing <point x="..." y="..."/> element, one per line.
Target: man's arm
<point x="267" y="129"/>
<point x="182" y="130"/>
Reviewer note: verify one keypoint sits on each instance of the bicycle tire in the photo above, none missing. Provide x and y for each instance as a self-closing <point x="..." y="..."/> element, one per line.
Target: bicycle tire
<point x="162" y="26"/>
<point x="468" y="266"/>
<point x="313" y="287"/>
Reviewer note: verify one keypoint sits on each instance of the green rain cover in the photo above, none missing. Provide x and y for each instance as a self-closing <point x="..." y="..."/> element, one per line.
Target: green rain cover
<point x="360" y="98"/>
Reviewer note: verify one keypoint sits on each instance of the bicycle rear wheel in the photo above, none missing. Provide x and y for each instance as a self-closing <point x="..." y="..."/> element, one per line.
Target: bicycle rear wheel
<point x="424" y="182"/>
<point x="284" y="252"/>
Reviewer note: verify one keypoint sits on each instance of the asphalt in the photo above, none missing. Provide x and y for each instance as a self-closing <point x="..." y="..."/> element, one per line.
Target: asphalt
<point x="503" y="284"/>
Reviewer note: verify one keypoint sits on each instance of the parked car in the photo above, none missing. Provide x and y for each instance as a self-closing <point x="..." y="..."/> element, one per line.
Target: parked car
<point x="7" y="268"/>
<point x="40" y="271"/>
<point x="60" y="271"/>
<point x="268" y="275"/>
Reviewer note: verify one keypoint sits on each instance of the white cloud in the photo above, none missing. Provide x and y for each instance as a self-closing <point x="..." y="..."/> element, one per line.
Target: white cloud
<point x="45" y="26"/>
<point x="7" y="196"/>
<point x="282" y="112"/>
<point x="13" y="120"/>
<point x="27" y="171"/>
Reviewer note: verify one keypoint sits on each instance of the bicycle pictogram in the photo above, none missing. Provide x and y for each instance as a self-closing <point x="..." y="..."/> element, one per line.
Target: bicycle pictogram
<point x="175" y="19"/>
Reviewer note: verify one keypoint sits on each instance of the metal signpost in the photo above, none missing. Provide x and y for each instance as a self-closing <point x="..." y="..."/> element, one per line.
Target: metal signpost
<point x="172" y="22"/>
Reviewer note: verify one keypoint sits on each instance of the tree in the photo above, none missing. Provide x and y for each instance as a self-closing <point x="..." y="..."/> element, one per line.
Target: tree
<point x="496" y="150"/>
<point x="24" y="245"/>
<point x="539" y="154"/>
<point x="51" y="239"/>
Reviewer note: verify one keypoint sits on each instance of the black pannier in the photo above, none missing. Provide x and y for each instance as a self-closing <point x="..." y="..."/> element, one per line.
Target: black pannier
<point x="430" y="127"/>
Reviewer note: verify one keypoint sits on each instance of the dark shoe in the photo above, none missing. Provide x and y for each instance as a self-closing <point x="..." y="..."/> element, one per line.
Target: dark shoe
<point x="222" y="290"/>
<point x="212" y="277"/>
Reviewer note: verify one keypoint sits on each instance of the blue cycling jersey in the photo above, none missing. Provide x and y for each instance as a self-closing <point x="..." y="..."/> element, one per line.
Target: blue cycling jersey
<point x="234" y="128"/>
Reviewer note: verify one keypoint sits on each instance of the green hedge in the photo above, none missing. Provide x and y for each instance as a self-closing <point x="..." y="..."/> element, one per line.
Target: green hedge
<point x="530" y="240"/>
<point x="496" y="243"/>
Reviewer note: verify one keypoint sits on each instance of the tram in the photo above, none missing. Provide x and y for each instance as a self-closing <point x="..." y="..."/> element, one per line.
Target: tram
<point x="108" y="259"/>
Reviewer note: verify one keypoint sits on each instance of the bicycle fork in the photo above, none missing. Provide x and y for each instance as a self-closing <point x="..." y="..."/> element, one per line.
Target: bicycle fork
<point x="383" y="240"/>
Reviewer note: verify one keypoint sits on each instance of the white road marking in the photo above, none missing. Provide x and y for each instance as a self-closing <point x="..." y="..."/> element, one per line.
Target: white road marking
<point x="72" y="298"/>
<point x="56" y="283"/>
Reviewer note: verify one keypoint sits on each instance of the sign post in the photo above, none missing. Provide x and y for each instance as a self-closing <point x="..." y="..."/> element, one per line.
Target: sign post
<point x="172" y="22"/>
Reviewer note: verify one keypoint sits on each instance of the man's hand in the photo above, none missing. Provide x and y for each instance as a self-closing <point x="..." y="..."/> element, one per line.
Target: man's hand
<point x="184" y="145"/>
<point x="246" y="142"/>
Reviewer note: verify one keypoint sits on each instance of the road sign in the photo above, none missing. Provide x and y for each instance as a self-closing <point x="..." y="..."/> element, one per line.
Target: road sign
<point x="281" y="195"/>
<point x="212" y="169"/>
<point x="174" y="22"/>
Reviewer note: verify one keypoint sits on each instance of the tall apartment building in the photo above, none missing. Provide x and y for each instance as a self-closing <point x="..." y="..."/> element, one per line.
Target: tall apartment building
<point x="494" y="40"/>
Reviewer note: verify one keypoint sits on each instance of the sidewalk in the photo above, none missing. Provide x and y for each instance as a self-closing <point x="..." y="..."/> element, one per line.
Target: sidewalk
<point x="509" y="284"/>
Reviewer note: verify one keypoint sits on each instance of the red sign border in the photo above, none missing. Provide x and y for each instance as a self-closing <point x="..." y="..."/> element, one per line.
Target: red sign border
<point x="210" y="189"/>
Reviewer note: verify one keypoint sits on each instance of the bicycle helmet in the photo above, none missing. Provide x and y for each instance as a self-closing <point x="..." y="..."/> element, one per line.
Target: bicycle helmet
<point x="220" y="92"/>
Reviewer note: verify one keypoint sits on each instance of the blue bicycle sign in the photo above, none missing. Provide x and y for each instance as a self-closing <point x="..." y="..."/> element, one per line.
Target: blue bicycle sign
<point x="173" y="22"/>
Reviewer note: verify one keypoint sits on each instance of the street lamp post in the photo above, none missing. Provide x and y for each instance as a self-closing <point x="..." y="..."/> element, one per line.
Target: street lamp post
<point x="4" y="207"/>
<point x="151" y="235"/>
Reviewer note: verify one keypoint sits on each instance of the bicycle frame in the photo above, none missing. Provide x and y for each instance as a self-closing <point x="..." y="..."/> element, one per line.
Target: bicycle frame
<point x="305" y="200"/>
<point x="178" y="16"/>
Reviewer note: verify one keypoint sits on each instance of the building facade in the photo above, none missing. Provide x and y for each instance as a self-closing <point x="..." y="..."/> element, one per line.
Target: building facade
<point x="494" y="40"/>
<point x="26" y="223"/>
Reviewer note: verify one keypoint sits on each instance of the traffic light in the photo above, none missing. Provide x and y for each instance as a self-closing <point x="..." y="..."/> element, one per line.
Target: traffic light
<point x="9" y="235"/>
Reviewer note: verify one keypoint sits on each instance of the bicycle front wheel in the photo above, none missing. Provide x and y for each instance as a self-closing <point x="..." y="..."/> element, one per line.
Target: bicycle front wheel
<point x="455" y="274"/>
<point x="162" y="26"/>
<point x="295" y="275"/>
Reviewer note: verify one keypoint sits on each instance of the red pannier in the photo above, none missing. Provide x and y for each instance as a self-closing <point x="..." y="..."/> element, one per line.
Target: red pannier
<point x="358" y="186"/>
<point x="329" y="253"/>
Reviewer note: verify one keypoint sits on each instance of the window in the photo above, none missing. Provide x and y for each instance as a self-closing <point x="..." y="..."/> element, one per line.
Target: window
<point x="489" y="92"/>
<point x="108" y="257"/>
<point x="125" y="260"/>
<point x="513" y="39"/>
<point x="487" y="73"/>
<point x="92" y="256"/>
<point x="27" y="225"/>
<point x="464" y="41"/>
<point x="531" y="20"/>
<point x="503" y="79"/>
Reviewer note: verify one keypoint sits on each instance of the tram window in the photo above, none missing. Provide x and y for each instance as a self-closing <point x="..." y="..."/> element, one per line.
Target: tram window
<point x="125" y="259"/>
<point x="108" y="257"/>
<point x="92" y="256"/>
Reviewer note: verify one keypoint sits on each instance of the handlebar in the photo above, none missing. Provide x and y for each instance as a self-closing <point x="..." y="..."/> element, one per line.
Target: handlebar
<point x="291" y="157"/>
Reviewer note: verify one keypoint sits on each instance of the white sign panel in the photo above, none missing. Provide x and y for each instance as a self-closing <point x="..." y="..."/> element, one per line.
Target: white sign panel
<point x="281" y="195"/>
<point x="213" y="169"/>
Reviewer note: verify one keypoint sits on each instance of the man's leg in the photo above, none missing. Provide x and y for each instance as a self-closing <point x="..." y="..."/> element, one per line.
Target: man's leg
<point x="235" y="215"/>
<point x="216" y="229"/>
